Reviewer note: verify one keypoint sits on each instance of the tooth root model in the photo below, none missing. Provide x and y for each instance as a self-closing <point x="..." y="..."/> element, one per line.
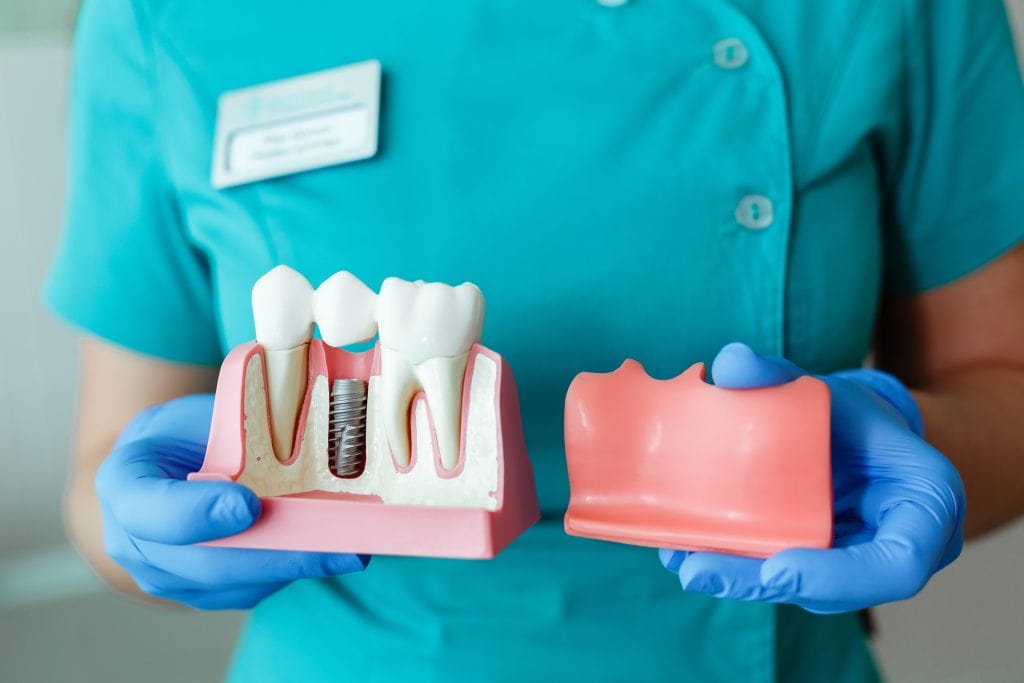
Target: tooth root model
<point x="282" y="309"/>
<point x="683" y="464"/>
<point x="445" y="473"/>
<point x="426" y="332"/>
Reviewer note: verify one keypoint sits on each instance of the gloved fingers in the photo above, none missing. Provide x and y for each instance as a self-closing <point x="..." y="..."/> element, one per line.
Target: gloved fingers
<point x="892" y="396"/>
<point x="954" y="547"/>
<point x="851" y="532"/>
<point x="232" y="567"/>
<point x="737" y="366"/>
<point x="895" y="565"/>
<point x="671" y="559"/>
<point x="930" y="495"/>
<point x="221" y="578"/>
<point x="862" y="418"/>
<point x="136" y="491"/>
<point x="166" y="456"/>
<point x="848" y="483"/>
<point x="725" y="576"/>
<point x="841" y="579"/>
<point x="929" y="517"/>
<point x="161" y="584"/>
<point x="246" y="597"/>
<point x="241" y="565"/>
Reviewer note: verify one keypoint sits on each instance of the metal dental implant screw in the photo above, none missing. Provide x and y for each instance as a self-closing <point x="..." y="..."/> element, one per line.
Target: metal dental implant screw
<point x="346" y="432"/>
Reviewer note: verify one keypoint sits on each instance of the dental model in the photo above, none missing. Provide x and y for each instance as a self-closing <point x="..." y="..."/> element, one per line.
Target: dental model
<point x="682" y="464"/>
<point x="411" y="448"/>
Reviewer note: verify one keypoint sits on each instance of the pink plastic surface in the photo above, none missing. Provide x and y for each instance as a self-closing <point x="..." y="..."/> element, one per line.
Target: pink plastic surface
<point x="343" y="522"/>
<point x="682" y="464"/>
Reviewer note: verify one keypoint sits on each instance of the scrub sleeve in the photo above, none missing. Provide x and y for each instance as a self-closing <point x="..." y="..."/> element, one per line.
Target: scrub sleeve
<point x="125" y="270"/>
<point x="958" y="168"/>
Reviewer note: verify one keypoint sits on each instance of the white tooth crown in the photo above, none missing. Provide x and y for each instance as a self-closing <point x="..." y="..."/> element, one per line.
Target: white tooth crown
<point x="282" y="309"/>
<point x="344" y="310"/>
<point x="426" y="320"/>
<point x="426" y="332"/>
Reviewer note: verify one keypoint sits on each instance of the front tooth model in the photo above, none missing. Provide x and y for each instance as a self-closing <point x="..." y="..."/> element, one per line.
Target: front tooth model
<point x="426" y="332"/>
<point x="282" y="310"/>
<point x="344" y="310"/>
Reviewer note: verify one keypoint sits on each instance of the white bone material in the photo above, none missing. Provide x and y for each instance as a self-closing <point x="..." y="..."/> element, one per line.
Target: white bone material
<point x="473" y="487"/>
<point x="426" y="331"/>
<point x="286" y="384"/>
<point x="344" y="310"/>
<point x="282" y="310"/>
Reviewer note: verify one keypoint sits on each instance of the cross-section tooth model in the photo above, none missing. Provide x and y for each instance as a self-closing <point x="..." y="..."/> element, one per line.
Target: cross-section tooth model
<point x="412" y="448"/>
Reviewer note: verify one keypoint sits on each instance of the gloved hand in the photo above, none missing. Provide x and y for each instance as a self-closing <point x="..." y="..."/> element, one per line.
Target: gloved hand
<point x="151" y="516"/>
<point x="899" y="503"/>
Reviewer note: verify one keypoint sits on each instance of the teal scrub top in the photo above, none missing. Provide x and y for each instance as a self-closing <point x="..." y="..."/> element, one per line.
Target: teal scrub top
<point x="647" y="179"/>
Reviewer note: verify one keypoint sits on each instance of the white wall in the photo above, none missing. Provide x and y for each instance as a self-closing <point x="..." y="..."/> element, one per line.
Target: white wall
<point x="967" y="626"/>
<point x="56" y="621"/>
<point x="37" y="359"/>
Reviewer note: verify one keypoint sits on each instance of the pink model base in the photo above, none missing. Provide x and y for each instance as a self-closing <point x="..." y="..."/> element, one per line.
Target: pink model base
<point x="324" y="521"/>
<point x="683" y="464"/>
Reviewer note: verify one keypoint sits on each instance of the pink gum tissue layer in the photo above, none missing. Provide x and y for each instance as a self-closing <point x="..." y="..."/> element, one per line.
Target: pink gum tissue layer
<point x="682" y="464"/>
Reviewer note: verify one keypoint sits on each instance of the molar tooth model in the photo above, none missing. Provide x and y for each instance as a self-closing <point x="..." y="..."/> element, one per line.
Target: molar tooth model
<point x="683" y="464"/>
<point x="414" y="447"/>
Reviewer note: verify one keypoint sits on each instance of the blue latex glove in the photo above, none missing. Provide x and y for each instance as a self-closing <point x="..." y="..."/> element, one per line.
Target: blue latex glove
<point x="152" y="516"/>
<point x="899" y="503"/>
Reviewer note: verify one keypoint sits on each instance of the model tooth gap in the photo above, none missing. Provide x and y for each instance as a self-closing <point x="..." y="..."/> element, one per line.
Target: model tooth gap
<point x="410" y="419"/>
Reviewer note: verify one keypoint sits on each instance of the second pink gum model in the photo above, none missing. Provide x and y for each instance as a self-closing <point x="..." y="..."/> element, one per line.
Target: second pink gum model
<point x="682" y="464"/>
<point x="336" y="521"/>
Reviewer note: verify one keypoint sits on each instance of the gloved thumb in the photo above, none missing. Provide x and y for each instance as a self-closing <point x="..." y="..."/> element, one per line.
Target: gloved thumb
<point x="737" y="366"/>
<point x="149" y="505"/>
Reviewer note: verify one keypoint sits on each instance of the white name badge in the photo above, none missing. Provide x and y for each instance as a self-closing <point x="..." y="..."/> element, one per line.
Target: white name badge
<point x="296" y="124"/>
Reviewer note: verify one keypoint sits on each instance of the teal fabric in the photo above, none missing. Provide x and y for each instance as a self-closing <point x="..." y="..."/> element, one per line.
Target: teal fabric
<point x="583" y="165"/>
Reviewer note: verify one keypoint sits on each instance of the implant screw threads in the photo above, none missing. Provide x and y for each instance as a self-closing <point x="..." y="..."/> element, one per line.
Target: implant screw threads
<point x="346" y="432"/>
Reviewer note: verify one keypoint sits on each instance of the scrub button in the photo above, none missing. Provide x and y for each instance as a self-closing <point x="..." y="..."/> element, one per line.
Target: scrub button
<point x="612" y="3"/>
<point x="730" y="53"/>
<point x="755" y="211"/>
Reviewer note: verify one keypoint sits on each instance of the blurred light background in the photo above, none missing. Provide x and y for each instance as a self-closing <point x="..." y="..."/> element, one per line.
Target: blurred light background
<point x="58" y="623"/>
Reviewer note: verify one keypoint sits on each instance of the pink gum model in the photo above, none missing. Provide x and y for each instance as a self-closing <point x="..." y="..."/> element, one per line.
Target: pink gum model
<point x="345" y="522"/>
<point x="683" y="464"/>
